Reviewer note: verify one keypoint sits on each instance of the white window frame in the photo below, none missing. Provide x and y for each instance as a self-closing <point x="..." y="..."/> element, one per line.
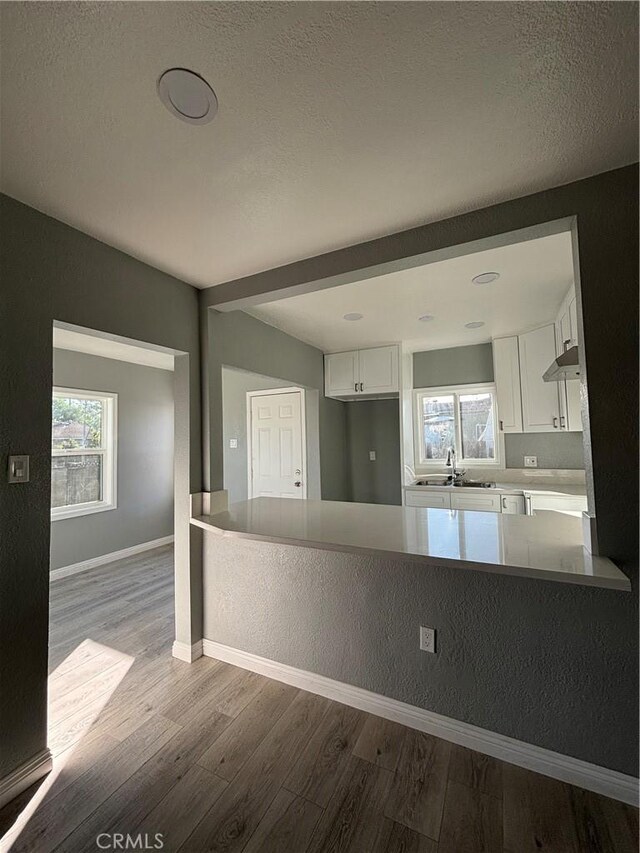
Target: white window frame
<point x="108" y="451"/>
<point x="423" y="464"/>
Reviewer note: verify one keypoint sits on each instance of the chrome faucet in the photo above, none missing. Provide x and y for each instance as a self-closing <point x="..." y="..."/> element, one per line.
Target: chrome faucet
<point x="456" y="474"/>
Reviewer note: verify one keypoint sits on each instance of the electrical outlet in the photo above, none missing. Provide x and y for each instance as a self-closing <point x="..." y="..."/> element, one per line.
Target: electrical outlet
<point x="427" y="639"/>
<point x="372" y="456"/>
<point x="233" y="442"/>
<point x="530" y="461"/>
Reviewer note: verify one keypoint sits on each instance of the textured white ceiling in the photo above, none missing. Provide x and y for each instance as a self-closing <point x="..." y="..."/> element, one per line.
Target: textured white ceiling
<point x="338" y="122"/>
<point x="534" y="279"/>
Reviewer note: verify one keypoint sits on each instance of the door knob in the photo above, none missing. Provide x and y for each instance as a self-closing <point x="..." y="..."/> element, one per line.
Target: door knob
<point x="297" y="483"/>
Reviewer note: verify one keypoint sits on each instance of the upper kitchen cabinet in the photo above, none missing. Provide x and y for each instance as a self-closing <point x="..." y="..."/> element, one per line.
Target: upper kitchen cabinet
<point x="362" y="373"/>
<point x="568" y="389"/>
<point x="506" y="369"/>
<point x="540" y="399"/>
<point x="341" y="374"/>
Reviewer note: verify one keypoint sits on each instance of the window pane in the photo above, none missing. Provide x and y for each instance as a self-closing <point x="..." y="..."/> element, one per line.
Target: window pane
<point x="76" y="423"/>
<point x="76" y="479"/>
<point x="476" y="417"/>
<point x="438" y="429"/>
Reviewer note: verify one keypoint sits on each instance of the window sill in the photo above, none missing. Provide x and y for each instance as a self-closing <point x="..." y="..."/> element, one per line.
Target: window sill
<point x="76" y="512"/>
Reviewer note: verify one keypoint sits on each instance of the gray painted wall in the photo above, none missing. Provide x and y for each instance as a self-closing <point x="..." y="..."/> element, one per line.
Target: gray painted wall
<point x="453" y="366"/>
<point x="238" y="340"/>
<point x="466" y="365"/>
<point x="554" y="450"/>
<point x="515" y="656"/>
<point x="53" y="272"/>
<point x="519" y="656"/>
<point x="235" y="384"/>
<point x="144" y="459"/>
<point x="374" y="425"/>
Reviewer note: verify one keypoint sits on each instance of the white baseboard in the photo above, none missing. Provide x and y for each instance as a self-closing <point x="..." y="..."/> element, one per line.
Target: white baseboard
<point x="94" y="562"/>
<point x="183" y="651"/>
<point x="22" y="777"/>
<point x="609" y="783"/>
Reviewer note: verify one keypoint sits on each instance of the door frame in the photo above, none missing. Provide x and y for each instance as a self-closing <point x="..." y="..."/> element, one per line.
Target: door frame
<point x="293" y="389"/>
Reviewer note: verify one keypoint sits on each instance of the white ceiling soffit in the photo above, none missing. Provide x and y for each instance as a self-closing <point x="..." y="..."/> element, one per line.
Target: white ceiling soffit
<point x="534" y="278"/>
<point x="337" y="122"/>
<point x="107" y="348"/>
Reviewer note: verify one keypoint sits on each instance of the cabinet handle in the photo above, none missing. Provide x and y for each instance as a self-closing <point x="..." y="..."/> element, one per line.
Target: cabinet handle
<point x="355" y="386"/>
<point x="562" y="424"/>
<point x="555" y="423"/>
<point x="504" y="503"/>
<point x="501" y="426"/>
<point x="361" y="387"/>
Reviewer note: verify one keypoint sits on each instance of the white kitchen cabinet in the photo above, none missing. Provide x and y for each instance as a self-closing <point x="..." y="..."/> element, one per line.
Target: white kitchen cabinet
<point x="431" y="499"/>
<point x="378" y="370"/>
<point x="506" y="368"/>
<point x="571" y="504"/>
<point x="341" y="374"/>
<point x="360" y="373"/>
<point x="512" y="505"/>
<point x="540" y="399"/>
<point x="479" y="501"/>
<point x="568" y="389"/>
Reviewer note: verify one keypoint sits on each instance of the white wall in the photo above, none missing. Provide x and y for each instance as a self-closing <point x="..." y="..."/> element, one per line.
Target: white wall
<point x="144" y="458"/>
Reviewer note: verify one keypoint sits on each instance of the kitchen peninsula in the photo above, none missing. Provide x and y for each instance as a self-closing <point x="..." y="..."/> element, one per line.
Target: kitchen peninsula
<point x="546" y="546"/>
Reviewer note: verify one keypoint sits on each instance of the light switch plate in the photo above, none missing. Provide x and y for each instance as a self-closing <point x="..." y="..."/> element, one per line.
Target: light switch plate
<point x="233" y="442"/>
<point x="18" y="469"/>
<point x="372" y="456"/>
<point x="530" y="461"/>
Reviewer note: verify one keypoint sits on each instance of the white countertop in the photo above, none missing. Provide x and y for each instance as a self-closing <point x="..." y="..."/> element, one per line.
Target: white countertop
<point x="546" y="546"/>
<point x="512" y="488"/>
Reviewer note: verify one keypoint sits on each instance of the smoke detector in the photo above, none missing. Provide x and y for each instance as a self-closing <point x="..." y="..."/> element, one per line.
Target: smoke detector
<point x="187" y="96"/>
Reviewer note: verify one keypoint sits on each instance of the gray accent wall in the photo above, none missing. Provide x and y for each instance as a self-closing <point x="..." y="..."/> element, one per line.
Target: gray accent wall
<point x="547" y="663"/>
<point x="453" y="366"/>
<point x="237" y="340"/>
<point x="554" y="450"/>
<point x="235" y="385"/>
<point x="144" y="510"/>
<point x="374" y="425"/>
<point x="467" y="365"/>
<point x="53" y="272"/>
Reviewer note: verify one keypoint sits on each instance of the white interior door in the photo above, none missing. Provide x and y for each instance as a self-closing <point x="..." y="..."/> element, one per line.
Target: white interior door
<point x="277" y="446"/>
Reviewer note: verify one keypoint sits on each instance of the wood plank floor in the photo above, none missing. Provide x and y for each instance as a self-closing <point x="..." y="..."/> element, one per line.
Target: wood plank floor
<point x="220" y="759"/>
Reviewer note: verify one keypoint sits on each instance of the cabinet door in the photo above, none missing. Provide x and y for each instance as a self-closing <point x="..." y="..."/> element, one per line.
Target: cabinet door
<point x="512" y="504"/>
<point x="573" y="321"/>
<point x="540" y="400"/>
<point x="435" y="500"/>
<point x="481" y="501"/>
<point x="341" y="374"/>
<point x="506" y="369"/>
<point x="378" y="370"/>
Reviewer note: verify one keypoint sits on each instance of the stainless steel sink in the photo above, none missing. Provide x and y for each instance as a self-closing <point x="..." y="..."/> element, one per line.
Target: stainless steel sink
<point x="473" y="484"/>
<point x="442" y="481"/>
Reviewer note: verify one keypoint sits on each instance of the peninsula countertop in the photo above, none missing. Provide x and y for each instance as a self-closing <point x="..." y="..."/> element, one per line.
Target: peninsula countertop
<point x="546" y="546"/>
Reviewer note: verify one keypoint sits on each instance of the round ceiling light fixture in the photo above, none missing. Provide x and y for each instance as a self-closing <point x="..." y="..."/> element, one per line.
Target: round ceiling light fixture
<point x="426" y="318"/>
<point x="485" y="278"/>
<point x="476" y="324"/>
<point x="353" y="316"/>
<point x="187" y="96"/>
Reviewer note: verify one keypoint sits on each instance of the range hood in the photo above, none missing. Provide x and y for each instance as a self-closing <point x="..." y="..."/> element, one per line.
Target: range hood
<point x="566" y="366"/>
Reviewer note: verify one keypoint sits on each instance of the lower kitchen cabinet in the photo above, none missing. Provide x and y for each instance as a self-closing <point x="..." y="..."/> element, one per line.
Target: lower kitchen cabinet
<point x="434" y="500"/>
<point x="480" y="501"/>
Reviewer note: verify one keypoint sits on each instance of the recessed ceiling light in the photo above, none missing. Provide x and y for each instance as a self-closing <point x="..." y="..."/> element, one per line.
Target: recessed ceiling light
<point x="485" y="278"/>
<point x="426" y="317"/>
<point x="187" y="96"/>
<point x="353" y="316"/>
<point x="475" y="325"/>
